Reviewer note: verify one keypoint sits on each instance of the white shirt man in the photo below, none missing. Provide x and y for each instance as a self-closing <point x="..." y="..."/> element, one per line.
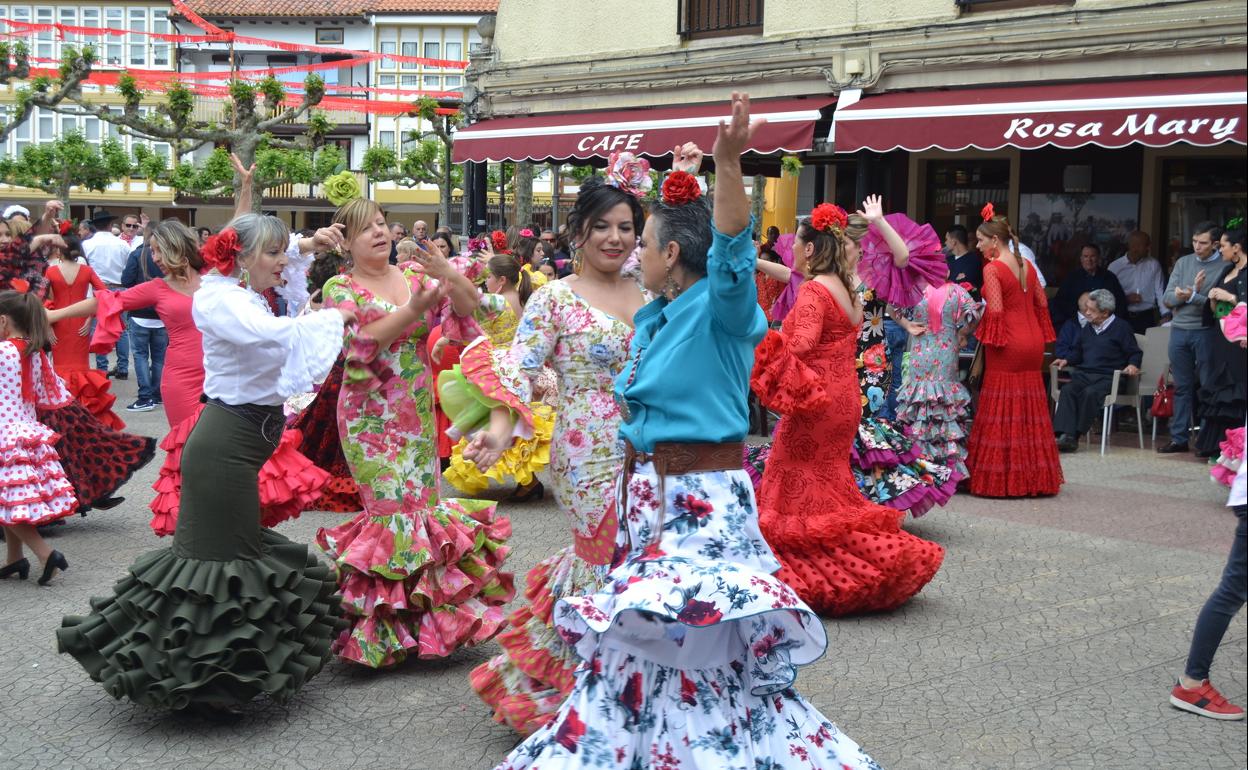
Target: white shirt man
<point x="1142" y="280"/>
<point x="107" y="255"/>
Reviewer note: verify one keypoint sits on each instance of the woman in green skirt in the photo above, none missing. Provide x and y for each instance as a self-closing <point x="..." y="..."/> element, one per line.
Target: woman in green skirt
<point x="231" y="611"/>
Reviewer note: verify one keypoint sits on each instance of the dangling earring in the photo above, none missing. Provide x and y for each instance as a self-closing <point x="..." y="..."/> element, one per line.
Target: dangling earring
<point x="671" y="289"/>
<point x="578" y="261"/>
<point x="245" y="279"/>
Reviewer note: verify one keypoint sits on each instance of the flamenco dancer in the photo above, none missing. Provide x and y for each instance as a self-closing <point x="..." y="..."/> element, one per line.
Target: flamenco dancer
<point x="1012" y="451"/>
<point x="841" y="552"/>
<point x="33" y="487"/>
<point x="231" y="610"/>
<point x="580" y="327"/>
<point x="508" y="289"/>
<point x="96" y="459"/>
<point x="691" y="648"/>
<point x="418" y="573"/>
<point x="68" y="283"/>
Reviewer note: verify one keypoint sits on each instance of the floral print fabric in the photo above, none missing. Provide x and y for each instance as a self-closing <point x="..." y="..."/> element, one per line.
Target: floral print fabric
<point x="419" y="574"/>
<point x="691" y="647"/>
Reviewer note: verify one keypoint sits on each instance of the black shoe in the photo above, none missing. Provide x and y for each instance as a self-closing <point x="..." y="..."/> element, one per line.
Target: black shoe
<point x="218" y="714"/>
<point x="535" y="492"/>
<point x="1206" y="455"/>
<point x="142" y="405"/>
<point x="1068" y="443"/>
<point x="1172" y="448"/>
<point x="104" y="503"/>
<point x="56" y="560"/>
<point x="21" y="567"/>
<point x="116" y="375"/>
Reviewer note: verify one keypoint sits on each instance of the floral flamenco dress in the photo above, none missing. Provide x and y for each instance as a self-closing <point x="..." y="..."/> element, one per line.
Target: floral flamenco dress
<point x="530" y="453"/>
<point x="692" y="646"/>
<point x="585" y="348"/>
<point x="841" y="553"/>
<point x="419" y="574"/>
<point x="70" y="355"/>
<point x="932" y="402"/>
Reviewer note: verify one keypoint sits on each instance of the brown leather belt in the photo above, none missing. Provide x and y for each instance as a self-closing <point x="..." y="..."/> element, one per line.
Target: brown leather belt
<point x="676" y="459"/>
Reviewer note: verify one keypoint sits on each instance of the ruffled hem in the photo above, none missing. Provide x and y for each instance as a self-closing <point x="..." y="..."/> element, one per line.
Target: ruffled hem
<point x="313" y="350"/>
<point x="179" y="632"/>
<point x="628" y="711"/>
<point x="36" y="493"/>
<point x="289" y="482"/>
<point x="480" y="388"/>
<point x="1012" y="451"/>
<point x="783" y="382"/>
<point x="97" y="461"/>
<point x="526" y="684"/>
<point x="519" y="463"/>
<point x="902" y="286"/>
<point x="879" y="444"/>
<point x="109" y="325"/>
<point x="920" y="403"/>
<point x="1231" y="457"/>
<point x="91" y="389"/>
<point x="429" y="582"/>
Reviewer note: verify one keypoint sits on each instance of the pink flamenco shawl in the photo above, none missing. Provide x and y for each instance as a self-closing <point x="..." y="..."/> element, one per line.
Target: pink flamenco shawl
<point x="902" y="286"/>
<point x="784" y="303"/>
<point x="1235" y="327"/>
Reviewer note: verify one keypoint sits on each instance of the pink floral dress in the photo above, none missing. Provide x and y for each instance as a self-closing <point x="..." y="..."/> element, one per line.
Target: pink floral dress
<point x="586" y="348"/>
<point x="419" y="573"/>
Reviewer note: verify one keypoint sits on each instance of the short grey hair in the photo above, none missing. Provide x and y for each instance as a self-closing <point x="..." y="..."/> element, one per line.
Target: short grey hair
<point x="1103" y="299"/>
<point x="258" y="233"/>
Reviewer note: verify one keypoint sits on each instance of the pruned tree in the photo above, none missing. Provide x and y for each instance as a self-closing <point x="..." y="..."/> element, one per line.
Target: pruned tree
<point x="524" y="193"/>
<point x="245" y="129"/>
<point x="426" y="156"/>
<point x="75" y="68"/>
<point x="69" y="161"/>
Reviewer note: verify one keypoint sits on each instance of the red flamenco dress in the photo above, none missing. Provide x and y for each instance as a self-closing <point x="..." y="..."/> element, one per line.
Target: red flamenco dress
<point x="840" y="552"/>
<point x="1012" y="451"/>
<point x="69" y="355"/>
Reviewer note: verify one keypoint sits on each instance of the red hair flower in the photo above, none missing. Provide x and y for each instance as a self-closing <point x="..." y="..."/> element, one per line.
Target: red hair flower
<point x="829" y="218"/>
<point x="65" y="226"/>
<point x="221" y="251"/>
<point x="19" y="285"/>
<point x="680" y="188"/>
<point x="988" y="212"/>
<point x="499" y="239"/>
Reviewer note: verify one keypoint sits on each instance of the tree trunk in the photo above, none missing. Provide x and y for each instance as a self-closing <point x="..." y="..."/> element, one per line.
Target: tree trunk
<point x="524" y="193"/>
<point x="758" y="199"/>
<point x="444" y="197"/>
<point x="555" y="184"/>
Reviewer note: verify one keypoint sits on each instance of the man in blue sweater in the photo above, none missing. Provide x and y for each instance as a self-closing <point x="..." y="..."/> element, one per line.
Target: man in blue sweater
<point x="1104" y="344"/>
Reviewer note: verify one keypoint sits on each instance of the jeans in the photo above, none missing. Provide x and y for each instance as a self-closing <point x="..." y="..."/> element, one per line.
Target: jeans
<point x="1189" y="350"/>
<point x="123" y="349"/>
<point x="1222" y="604"/>
<point x="896" y="338"/>
<point x="149" y="358"/>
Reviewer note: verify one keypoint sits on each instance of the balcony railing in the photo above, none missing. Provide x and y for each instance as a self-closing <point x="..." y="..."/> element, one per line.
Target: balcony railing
<point x="713" y="18"/>
<point x="212" y="110"/>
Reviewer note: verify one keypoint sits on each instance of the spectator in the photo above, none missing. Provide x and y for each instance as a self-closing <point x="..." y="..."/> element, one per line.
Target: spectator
<point x="420" y="230"/>
<point x="148" y="338"/>
<point x="1141" y="278"/>
<point x="1068" y="335"/>
<point x="443" y="242"/>
<point x="1224" y="377"/>
<point x="1104" y="344"/>
<point x="1089" y="277"/>
<point x="548" y="238"/>
<point x="964" y="263"/>
<point x="16" y="211"/>
<point x="1190" y="333"/>
<point x="107" y="254"/>
<point x="131" y="230"/>
<point x="397" y="231"/>
<point x="204" y="234"/>
<point x="449" y="237"/>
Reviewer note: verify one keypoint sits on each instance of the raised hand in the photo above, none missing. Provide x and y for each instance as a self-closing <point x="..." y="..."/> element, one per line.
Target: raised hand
<point x="427" y="297"/>
<point x="52" y="209"/>
<point x="245" y="173"/>
<point x="332" y="238"/>
<point x="430" y="258"/>
<point x="732" y="139"/>
<point x="872" y="208"/>
<point x="687" y="157"/>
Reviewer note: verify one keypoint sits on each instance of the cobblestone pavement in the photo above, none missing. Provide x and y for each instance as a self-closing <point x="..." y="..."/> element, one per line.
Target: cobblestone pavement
<point x="1049" y="639"/>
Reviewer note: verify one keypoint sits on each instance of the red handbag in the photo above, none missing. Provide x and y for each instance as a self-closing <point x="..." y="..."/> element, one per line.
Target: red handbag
<point x="1163" y="399"/>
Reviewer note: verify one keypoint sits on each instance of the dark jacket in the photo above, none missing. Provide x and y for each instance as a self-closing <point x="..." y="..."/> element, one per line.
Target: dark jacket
<point x="967" y="268"/>
<point x="1064" y="306"/>
<point x="1113" y="348"/>
<point x="140" y="268"/>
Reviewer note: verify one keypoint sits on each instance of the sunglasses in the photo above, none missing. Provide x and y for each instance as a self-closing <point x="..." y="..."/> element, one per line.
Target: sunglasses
<point x="131" y="227"/>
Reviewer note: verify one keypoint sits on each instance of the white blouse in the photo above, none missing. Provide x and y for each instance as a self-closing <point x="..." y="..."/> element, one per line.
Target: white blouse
<point x="252" y="357"/>
<point x="295" y="289"/>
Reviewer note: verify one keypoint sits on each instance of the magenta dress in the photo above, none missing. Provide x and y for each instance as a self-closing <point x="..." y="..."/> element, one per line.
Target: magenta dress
<point x="182" y="381"/>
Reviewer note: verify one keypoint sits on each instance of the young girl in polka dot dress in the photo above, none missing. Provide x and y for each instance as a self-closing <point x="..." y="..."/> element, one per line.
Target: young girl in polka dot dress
<point x="33" y="487"/>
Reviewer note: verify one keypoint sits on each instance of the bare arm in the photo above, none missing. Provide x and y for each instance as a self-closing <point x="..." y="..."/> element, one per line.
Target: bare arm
<point x="873" y="211"/>
<point x="732" y="207"/>
<point x="82" y="309"/>
<point x="245" y="192"/>
<point x="774" y="271"/>
<point x="464" y="296"/>
<point x="388" y="329"/>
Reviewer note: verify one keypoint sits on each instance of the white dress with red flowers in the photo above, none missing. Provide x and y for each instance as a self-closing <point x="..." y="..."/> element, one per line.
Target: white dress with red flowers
<point x="691" y="647"/>
<point x="33" y="486"/>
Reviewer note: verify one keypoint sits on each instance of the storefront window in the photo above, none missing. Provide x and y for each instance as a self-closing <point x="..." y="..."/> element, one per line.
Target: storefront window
<point x="1197" y="190"/>
<point x="958" y="189"/>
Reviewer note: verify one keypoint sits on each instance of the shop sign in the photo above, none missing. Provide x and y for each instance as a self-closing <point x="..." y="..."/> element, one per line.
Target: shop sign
<point x="1133" y="126"/>
<point x="609" y="143"/>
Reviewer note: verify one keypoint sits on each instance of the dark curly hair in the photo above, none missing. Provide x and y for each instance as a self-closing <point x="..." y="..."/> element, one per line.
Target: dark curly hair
<point x="595" y="199"/>
<point x="325" y="266"/>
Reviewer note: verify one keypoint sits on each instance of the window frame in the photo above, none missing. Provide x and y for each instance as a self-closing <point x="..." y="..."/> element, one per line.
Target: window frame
<point x="327" y="35"/>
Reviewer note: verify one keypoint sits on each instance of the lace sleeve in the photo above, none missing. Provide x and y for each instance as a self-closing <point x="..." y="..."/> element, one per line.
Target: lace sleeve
<point x="781" y="379"/>
<point x="993" y="326"/>
<point x="1041" y="305"/>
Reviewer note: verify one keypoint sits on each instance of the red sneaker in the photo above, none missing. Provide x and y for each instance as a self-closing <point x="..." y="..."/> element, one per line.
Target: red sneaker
<point x="1204" y="700"/>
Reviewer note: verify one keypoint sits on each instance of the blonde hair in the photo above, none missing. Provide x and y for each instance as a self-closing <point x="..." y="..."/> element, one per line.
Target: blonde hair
<point x="357" y="215"/>
<point x="18" y="227"/>
<point x="406" y="248"/>
<point x="856" y="227"/>
<point x="179" y="248"/>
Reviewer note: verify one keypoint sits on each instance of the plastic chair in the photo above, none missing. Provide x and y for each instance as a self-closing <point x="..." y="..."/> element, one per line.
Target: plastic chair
<point x="1123" y="391"/>
<point x="1156" y="357"/>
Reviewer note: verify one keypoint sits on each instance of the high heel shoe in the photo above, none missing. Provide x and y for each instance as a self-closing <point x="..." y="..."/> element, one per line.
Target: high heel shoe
<point x="21" y="567"/>
<point x="534" y="492"/>
<point x="56" y="560"/>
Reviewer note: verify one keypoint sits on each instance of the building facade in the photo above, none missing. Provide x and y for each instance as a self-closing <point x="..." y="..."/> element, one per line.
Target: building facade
<point x="916" y="70"/>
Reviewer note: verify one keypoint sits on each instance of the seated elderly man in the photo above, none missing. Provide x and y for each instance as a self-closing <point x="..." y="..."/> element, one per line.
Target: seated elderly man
<point x="1104" y="344"/>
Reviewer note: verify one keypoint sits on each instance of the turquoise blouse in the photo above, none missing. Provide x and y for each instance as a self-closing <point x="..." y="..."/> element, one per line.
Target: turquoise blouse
<point x="688" y="373"/>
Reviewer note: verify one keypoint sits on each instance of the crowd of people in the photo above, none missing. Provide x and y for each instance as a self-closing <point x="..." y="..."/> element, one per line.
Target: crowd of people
<point x="358" y="367"/>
